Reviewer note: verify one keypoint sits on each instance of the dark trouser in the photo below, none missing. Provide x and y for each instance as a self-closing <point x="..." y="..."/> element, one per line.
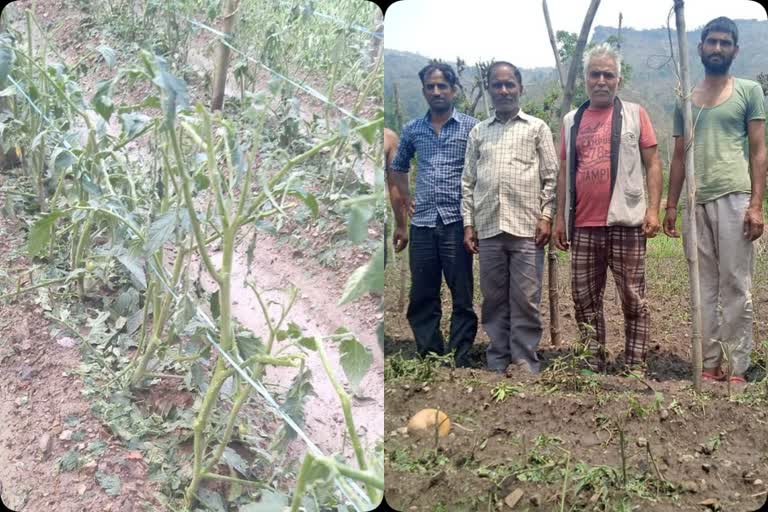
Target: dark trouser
<point x="511" y="270"/>
<point x="435" y="252"/>
<point x="593" y="251"/>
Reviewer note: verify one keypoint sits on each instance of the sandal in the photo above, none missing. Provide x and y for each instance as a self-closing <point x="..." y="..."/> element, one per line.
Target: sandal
<point x="711" y="377"/>
<point x="737" y="379"/>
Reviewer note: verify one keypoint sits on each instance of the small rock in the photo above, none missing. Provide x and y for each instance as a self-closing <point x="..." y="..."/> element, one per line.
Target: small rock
<point x="513" y="497"/>
<point x="663" y="414"/>
<point x="706" y="467"/>
<point x="689" y="486"/>
<point x="66" y="435"/>
<point x="641" y="442"/>
<point x="402" y="431"/>
<point x="406" y="387"/>
<point x="81" y="489"/>
<point x="425" y="389"/>
<point x="45" y="444"/>
<point x="522" y="395"/>
<point x="535" y="500"/>
<point x="757" y="482"/>
<point x="748" y="477"/>
<point x="469" y="390"/>
<point x="413" y="507"/>
<point x="66" y="341"/>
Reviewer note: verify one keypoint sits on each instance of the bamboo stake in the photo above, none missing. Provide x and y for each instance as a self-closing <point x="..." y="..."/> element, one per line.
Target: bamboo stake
<point x="222" y="57"/>
<point x="691" y="189"/>
<point x="568" y="90"/>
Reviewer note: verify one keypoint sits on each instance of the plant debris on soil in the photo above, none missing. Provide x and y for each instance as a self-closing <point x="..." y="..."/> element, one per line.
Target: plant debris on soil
<point x="572" y="438"/>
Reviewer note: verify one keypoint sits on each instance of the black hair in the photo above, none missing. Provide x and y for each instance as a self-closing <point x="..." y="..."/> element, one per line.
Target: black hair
<point x="498" y="63"/>
<point x="721" y="24"/>
<point x="445" y="69"/>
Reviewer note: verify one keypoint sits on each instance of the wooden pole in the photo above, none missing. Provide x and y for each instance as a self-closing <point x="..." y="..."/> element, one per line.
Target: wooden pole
<point x="222" y="58"/>
<point x="692" y="238"/>
<point x="568" y="87"/>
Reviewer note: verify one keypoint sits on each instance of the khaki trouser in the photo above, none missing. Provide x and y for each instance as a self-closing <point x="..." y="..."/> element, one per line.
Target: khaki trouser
<point x="725" y="275"/>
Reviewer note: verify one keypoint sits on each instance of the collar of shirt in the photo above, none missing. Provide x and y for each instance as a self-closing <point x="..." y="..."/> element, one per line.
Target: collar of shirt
<point x="520" y="115"/>
<point x="454" y="115"/>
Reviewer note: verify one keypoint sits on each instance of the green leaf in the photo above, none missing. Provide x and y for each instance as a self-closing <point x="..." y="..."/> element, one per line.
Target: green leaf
<point x="369" y="132"/>
<point x="368" y="278"/>
<point x="309" y="200"/>
<point x="8" y="91"/>
<point x="102" y="100"/>
<point x="69" y="461"/>
<point x="215" y="306"/>
<point x="308" y="342"/>
<point x="248" y="344"/>
<point x="357" y="223"/>
<point x="108" y="54"/>
<point x="270" y="502"/>
<point x="133" y="123"/>
<point x="356" y="359"/>
<point x="110" y="483"/>
<point x="161" y="231"/>
<point x="135" y="266"/>
<point x="40" y="233"/>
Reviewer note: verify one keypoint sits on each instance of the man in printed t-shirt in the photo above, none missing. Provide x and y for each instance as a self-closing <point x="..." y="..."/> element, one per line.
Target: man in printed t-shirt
<point x="729" y="166"/>
<point x="608" y="157"/>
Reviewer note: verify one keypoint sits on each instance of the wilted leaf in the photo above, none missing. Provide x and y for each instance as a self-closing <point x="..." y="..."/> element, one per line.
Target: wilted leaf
<point x="368" y="278"/>
<point x="134" y="265"/>
<point x="133" y="123"/>
<point x="160" y="231"/>
<point x="61" y="159"/>
<point x="270" y="502"/>
<point x="175" y="95"/>
<point x="102" y="100"/>
<point x="108" y="54"/>
<point x="6" y="56"/>
<point x="211" y="499"/>
<point x="110" y="483"/>
<point x="235" y="461"/>
<point x="357" y="223"/>
<point x="40" y="233"/>
<point x="356" y="359"/>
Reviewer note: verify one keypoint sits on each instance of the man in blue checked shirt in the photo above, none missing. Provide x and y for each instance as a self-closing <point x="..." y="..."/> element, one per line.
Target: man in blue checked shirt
<point x="439" y="141"/>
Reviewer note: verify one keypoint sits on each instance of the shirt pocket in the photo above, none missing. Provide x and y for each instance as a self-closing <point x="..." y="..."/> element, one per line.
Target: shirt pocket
<point x="521" y="149"/>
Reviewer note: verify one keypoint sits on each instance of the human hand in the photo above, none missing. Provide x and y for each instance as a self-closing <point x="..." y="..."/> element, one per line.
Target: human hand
<point x="470" y="240"/>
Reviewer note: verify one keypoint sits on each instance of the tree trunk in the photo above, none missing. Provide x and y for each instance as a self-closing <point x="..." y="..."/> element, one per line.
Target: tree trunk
<point x="553" y="42"/>
<point x="222" y="57"/>
<point x="568" y="86"/>
<point x="692" y="238"/>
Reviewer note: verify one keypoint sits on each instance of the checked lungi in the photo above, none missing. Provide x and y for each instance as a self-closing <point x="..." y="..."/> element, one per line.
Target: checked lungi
<point x="593" y="251"/>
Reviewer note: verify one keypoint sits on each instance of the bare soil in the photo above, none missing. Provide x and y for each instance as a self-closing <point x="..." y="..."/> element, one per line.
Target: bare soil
<point x="477" y="469"/>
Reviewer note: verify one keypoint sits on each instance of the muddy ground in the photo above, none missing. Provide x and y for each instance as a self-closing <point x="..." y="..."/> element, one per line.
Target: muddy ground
<point x="560" y="432"/>
<point x="42" y="391"/>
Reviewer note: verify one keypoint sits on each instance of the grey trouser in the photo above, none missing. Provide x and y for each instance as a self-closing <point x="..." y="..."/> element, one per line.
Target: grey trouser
<point x="511" y="270"/>
<point x="725" y="276"/>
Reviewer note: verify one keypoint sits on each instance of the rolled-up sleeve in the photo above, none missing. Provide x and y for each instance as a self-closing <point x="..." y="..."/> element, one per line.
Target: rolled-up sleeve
<point x="405" y="151"/>
<point x="548" y="167"/>
<point x="468" y="179"/>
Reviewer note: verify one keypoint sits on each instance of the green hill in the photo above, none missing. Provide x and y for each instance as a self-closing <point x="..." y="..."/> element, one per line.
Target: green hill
<point x="652" y="82"/>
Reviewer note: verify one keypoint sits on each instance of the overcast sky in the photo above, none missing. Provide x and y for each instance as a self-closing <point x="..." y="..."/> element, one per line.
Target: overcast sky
<point x="514" y="30"/>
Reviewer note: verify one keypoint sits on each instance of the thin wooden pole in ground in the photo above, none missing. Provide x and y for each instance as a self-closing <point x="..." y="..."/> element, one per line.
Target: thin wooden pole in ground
<point x="222" y="57"/>
<point x="692" y="238"/>
<point x="568" y="85"/>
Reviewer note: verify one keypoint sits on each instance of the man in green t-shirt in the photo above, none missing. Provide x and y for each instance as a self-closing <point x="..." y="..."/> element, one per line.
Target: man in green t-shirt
<point x="730" y="168"/>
